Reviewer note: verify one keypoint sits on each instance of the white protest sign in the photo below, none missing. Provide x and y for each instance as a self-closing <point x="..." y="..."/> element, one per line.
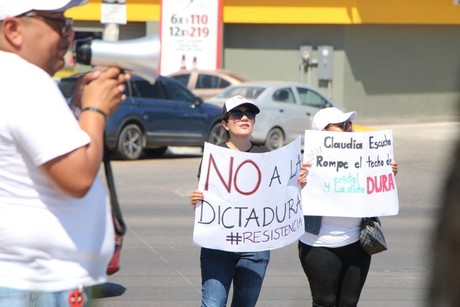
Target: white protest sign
<point x="351" y="174"/>
<point x="252" y="201"/>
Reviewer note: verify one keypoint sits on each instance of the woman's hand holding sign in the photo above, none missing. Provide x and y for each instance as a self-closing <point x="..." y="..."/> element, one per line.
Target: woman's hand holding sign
<point x="195" y="197"/>
<point x="394" y="167"/>
<point x="302" y="180"/>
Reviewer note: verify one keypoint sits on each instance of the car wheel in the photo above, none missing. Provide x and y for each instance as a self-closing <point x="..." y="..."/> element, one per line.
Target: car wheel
<point x="155" y="151"/>
<point x="130" y="142"/>
<point x="275" y="139"/>
<point x="217" y="134"/>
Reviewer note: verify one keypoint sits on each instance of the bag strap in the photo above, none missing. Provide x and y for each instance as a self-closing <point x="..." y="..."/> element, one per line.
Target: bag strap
<point x="118" y="223"/>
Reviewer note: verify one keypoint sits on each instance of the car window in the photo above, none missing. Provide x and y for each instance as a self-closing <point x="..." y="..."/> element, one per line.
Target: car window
<point x="182" y="79"/>
<point x="284" y="95"/>
<point x="310" y="98"/>
<point x="223" y="83"/>
<point x="143" y="89"/>
<point x="67" y="87"/>
<point x="174" y="91"/>
<point x="207" y="81"/>
<point x="245" y="91"/>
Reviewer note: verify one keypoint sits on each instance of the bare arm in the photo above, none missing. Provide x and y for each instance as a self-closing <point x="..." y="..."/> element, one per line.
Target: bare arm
<point x="75" y="172"/>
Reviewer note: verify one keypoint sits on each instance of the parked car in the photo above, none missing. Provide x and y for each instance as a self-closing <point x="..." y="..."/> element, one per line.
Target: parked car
<point x="287" y="109"/>
<point x="207" y="83"/>
<point x="156" y="116"/>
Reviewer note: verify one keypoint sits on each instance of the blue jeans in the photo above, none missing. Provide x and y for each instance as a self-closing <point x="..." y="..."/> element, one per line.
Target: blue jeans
<point x="219" y="268"/>
<point x="23" y="298"/>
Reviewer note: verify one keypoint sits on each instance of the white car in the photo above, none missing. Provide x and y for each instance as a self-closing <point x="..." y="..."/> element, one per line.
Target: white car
<point x="287" y="109"/>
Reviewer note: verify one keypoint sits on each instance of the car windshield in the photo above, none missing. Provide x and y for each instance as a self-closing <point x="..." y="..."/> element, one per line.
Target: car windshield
<point x="250" y="92"/>
<point x="174" y="91"/>
<point x="182" y="79"/>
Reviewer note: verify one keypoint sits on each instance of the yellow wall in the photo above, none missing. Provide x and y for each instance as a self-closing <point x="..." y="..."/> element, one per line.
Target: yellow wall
<point x="137" y="10"/>
<point x="303" y="11"/>
<point x="342" y="11"/>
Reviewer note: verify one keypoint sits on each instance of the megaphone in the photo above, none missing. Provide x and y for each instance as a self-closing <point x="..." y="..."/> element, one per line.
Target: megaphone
<point x="139" y="56"/>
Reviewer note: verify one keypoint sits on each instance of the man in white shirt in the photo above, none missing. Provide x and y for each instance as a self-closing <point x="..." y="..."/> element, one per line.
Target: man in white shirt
<point x="56" y="232"/>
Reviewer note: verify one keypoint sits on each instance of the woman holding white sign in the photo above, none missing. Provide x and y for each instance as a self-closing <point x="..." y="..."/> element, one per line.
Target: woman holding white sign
<point x="245" y="269"/>
<point x="330" y="252"/>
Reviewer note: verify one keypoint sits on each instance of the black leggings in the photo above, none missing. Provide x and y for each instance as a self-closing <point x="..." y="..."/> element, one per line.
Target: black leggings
<point x="336" y="275"/>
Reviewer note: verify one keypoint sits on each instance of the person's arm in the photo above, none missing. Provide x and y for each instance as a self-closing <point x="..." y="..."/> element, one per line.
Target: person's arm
<point x="75" y="171"/>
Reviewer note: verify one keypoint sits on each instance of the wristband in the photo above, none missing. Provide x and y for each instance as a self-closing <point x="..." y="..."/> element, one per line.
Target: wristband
<point x="95" y="110"/>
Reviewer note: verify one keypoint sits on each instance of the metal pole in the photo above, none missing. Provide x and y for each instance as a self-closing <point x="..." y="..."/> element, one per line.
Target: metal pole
<point x="301" y="72"/>
<point x="111" y="32"/>
<point x="329" y="87"/>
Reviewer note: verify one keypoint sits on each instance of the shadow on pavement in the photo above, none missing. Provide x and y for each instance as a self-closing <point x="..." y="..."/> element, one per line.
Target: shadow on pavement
<point x="109" y="289"/>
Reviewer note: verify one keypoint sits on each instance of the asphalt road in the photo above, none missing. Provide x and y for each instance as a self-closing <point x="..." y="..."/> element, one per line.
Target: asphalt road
<point x="160" y="265"/>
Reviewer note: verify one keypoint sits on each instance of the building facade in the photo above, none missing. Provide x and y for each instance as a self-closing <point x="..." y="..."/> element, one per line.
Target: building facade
<point x="391" y="61"/>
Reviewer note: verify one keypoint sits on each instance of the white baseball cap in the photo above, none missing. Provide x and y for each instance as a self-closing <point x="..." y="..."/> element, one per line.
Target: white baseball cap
<point x="237" y="101"/>
<point x="11" y="8"/>
<point x="331" y="115"/>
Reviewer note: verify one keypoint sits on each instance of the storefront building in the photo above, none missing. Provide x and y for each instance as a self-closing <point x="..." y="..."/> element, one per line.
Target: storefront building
<point x="393" y="61"/>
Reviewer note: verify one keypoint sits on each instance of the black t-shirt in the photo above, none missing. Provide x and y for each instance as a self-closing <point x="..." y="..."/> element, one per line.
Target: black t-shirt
<point x="255" y="148"/>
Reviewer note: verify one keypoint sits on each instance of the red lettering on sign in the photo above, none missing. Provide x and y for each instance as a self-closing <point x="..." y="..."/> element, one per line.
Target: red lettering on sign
<point x="228" y="184"/>
<point x="379" y="184"/>
<point x="259" y="178"/>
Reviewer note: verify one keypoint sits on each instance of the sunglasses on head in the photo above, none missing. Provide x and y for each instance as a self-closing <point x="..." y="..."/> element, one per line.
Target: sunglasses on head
<point x="239" y="114"/>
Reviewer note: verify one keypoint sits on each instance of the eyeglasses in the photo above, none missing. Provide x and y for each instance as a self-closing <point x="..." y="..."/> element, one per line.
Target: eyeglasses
<point x="239" y="114"/>
<point x="65" y="24"/>
<point x="344" y="125"/>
